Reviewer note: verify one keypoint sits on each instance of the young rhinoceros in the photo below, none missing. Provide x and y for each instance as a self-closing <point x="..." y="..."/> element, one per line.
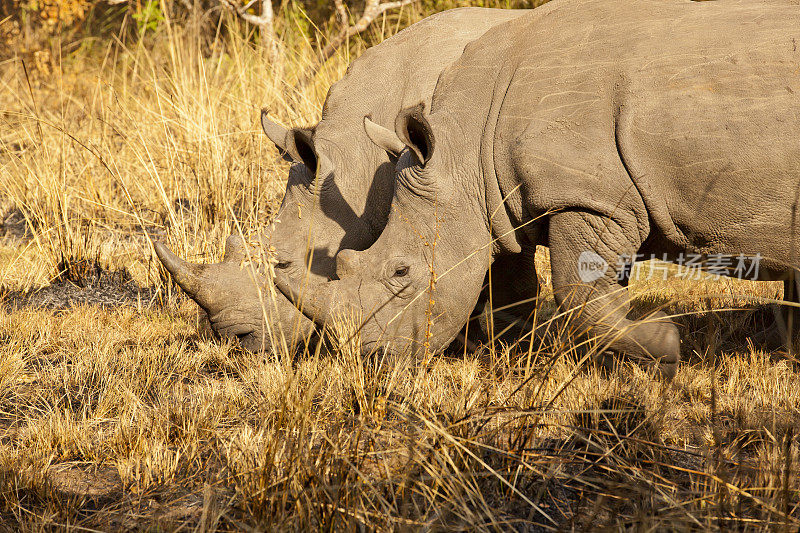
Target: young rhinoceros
<point x="340" y="185"/>
<point x="602" y="129"/>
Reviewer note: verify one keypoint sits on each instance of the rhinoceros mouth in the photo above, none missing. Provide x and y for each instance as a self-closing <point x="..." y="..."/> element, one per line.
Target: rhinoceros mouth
<point x="369" y="347"/>
<point x="238" y="328"/>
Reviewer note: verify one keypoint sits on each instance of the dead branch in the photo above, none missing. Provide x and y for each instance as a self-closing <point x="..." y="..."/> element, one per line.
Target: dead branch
<point x="265" y="21"/>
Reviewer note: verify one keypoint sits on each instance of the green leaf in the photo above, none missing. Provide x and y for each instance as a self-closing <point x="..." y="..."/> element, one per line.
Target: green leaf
<point x="149" y="16"/>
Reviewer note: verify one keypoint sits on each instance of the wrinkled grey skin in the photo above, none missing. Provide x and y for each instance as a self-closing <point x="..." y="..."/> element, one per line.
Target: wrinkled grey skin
<point x="612" y="127"/>
<point x="340" y="184"/>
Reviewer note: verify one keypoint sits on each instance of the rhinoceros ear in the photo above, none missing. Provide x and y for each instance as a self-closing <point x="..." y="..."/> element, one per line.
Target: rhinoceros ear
<point x="275" y="133"/>
<point x="413" y="128"/>
<point x="300" y="147"/>
<point x="295" y="145"/>
<point x="383" y="138"/>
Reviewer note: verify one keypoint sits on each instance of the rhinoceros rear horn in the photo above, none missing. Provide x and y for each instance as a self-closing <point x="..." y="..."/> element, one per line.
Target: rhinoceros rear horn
<point x="413" y="128"/>
<point x="383" y="138"/>
<point x="235" y="249"/>
<point x="187" y="275"/>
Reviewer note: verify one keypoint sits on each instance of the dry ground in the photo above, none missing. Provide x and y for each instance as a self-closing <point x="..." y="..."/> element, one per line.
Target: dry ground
<point x="118" y="410"/>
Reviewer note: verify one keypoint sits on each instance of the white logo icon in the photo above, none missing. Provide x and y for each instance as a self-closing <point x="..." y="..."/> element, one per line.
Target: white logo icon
<point x="591" y="266"/>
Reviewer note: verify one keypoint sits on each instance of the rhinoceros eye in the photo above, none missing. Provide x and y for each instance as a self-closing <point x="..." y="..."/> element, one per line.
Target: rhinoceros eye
<point x="401" y="271"/>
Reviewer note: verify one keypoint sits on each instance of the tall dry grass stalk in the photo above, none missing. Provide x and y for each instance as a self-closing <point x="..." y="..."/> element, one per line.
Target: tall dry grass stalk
<point x="158" y="139"/>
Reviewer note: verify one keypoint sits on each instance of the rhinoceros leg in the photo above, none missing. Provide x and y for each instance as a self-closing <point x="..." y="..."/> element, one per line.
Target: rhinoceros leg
<point x="787" y="319"/>
<point x="585" y="251"/>
<point x="791" y="294"/>
<point x="509" y="308"/>
<point x="505" y="309"/>
<point x="784" y="331"/>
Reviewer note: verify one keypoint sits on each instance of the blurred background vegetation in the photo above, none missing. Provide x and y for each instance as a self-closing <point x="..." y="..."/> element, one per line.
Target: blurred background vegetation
<point x="122" y="119"/>
<point x="31" y="26"/>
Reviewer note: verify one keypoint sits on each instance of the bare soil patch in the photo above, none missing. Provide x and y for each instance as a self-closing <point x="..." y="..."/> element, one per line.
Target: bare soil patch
<point x="99" y="287"/>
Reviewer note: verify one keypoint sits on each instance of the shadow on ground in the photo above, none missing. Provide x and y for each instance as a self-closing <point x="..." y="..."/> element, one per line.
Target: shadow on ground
<point x="85" y="283"/>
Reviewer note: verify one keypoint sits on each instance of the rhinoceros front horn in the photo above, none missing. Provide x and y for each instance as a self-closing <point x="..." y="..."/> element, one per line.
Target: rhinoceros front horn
<point x="185" y="274"/>
<point x="316" y="308"/>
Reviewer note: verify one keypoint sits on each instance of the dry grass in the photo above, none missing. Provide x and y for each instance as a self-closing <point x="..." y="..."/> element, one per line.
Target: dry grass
<point x="130" y="416"/>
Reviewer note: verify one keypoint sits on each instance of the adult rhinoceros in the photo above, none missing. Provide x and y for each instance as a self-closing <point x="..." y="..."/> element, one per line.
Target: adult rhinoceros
<point x="602" y="129"/>
<point x="340" y="184"/>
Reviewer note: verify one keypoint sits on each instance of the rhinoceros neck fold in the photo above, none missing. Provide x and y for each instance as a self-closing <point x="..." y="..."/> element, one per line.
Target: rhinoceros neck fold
<point x="500" y="226"/>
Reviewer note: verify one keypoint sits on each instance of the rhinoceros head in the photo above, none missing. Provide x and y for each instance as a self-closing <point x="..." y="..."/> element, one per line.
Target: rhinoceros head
<point x="238" y="298"/>
<point x="316" y="219"/>
<point x="418" y="282"/>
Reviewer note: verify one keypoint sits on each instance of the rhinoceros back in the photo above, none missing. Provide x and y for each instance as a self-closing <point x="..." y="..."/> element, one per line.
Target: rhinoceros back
<point x="402" y="70"/>
<point x="698" y="100"/>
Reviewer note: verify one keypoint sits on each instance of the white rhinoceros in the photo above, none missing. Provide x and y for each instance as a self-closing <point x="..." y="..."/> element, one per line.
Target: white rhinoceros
<point x="602" y="129"/>
<point x="340" y="184"/>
